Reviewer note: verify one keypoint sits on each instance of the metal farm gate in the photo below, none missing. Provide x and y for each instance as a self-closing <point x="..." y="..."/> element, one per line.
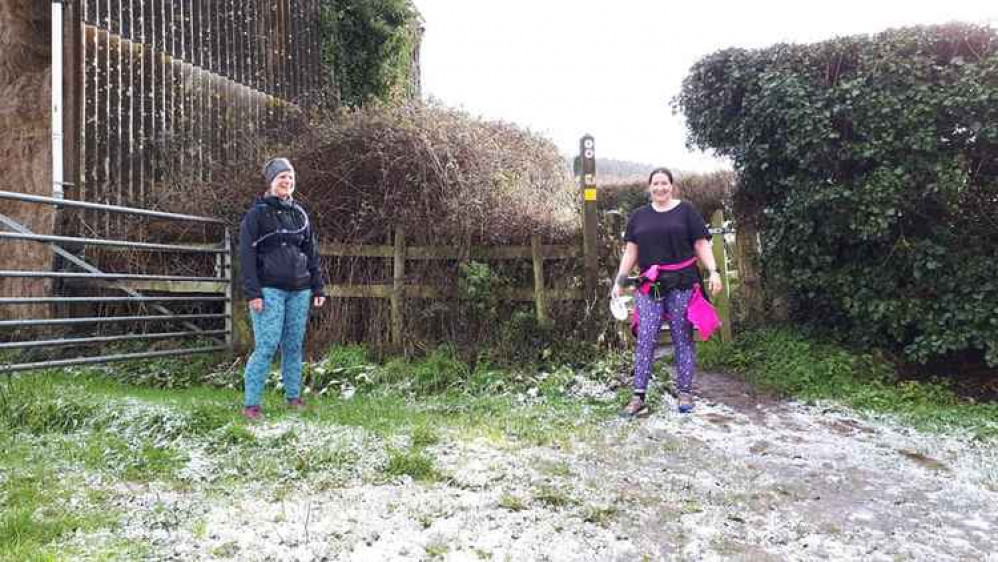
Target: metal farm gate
<point x="81" y="275"/>
<point x="151" y="89"/>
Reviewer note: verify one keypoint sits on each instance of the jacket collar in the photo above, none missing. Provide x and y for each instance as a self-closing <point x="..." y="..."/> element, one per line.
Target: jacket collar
<point x="276" y="202"/>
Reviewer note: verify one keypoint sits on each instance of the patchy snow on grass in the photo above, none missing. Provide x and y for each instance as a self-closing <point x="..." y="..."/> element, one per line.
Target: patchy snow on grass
<point x="735" y="480"/>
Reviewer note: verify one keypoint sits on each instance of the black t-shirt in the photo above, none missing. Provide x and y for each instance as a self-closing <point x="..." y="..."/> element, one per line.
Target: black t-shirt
<point x="665" y="237"/>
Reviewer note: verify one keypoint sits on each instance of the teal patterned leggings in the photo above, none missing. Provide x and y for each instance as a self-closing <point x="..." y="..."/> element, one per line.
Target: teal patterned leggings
<point x="281" y="323"/>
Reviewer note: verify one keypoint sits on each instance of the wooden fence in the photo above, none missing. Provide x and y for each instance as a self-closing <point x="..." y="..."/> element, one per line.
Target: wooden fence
<point x="399" y="253"/>
<point x="166" y="85"/>
<point x="537" y="253"/>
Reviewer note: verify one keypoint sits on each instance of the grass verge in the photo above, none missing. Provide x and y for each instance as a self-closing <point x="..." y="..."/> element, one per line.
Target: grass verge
<point x="782" y="361"/>
<point x="92" y="435"/>
<point x="40" y="504"/>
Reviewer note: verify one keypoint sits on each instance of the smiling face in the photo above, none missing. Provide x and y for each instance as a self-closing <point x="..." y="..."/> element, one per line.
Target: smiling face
<point x="283" y="185"/>
<point x="660" y="188"/>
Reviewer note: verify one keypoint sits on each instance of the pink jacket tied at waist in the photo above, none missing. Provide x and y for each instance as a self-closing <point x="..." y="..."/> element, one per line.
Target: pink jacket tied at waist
<point x="699" y="312"/>
<point x="651" y="274"/>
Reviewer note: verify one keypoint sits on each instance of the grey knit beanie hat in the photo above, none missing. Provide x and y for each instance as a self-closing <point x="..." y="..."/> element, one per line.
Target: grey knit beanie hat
<point x="275" y="166"/>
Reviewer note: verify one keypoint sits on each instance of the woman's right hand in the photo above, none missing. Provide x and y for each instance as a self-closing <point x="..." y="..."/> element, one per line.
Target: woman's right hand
<point x="617" y="290"/>
<point x="256" y="305"/>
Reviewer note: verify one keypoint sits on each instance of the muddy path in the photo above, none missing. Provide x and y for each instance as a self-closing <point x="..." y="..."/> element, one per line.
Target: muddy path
<point x="788" y="481"/>
<point x="747" y="477"/>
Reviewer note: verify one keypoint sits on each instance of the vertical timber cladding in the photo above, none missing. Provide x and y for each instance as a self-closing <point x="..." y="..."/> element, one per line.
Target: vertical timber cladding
<point x="175" y="86"/>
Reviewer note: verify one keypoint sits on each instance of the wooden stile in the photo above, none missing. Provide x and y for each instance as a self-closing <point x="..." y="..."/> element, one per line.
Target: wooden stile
<point x="722" y="300"/>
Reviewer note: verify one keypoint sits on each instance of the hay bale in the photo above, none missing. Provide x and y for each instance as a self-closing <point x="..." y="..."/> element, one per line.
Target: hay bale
<point x="25" y="68"/>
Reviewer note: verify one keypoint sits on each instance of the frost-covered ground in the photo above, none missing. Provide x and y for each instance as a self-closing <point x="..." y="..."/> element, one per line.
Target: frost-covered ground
<point x="743" y="478"/>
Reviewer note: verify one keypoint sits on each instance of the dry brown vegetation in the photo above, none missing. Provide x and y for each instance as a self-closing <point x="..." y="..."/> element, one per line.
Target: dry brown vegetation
<point x="443" y="176"/>
<point x="447" y="179"/>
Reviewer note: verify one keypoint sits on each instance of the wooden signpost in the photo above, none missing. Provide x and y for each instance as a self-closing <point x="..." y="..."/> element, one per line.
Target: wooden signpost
<point x="587" y="177"/>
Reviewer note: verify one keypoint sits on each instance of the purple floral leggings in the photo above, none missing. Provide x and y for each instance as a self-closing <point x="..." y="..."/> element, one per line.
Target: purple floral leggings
<point x="650" y="312"/>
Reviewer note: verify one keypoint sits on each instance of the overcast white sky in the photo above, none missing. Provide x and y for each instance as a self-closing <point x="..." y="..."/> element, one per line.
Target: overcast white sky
<point x="563" y="68"/>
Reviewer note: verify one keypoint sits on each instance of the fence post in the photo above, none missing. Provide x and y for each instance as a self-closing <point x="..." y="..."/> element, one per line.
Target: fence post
<point x="722" y="301"/>
<point x="540" y="298"/>
<point x="398" y="286"/>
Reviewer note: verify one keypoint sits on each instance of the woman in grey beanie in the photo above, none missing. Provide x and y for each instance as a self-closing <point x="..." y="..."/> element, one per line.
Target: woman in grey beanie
<point x="281" y="279"/>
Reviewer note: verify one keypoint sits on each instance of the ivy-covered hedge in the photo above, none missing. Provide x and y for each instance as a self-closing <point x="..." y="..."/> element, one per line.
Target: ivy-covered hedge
<point x="871" y="165"/>
<point x="368" y="48"/>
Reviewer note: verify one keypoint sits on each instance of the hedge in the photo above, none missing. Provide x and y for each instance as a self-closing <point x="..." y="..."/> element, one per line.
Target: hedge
<point x="870" y="163"/>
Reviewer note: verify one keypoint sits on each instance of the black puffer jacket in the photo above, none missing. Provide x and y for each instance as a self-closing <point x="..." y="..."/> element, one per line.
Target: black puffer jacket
<point x="277" y="248"/>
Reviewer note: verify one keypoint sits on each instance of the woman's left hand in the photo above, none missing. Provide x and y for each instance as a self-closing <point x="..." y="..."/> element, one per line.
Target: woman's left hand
<point x="318" y="301"/>
<point x="714" y="283"/>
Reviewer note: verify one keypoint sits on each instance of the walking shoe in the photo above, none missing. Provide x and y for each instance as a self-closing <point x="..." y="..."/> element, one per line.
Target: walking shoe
<point x="686" y="404"/>
<point x="636" y="408"/>
<point x="252" y="412"/>
<point x="296" y="404"/>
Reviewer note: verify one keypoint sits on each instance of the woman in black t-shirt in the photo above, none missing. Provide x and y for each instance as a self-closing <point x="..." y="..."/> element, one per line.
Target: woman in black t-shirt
<point x="670" y="233"/>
